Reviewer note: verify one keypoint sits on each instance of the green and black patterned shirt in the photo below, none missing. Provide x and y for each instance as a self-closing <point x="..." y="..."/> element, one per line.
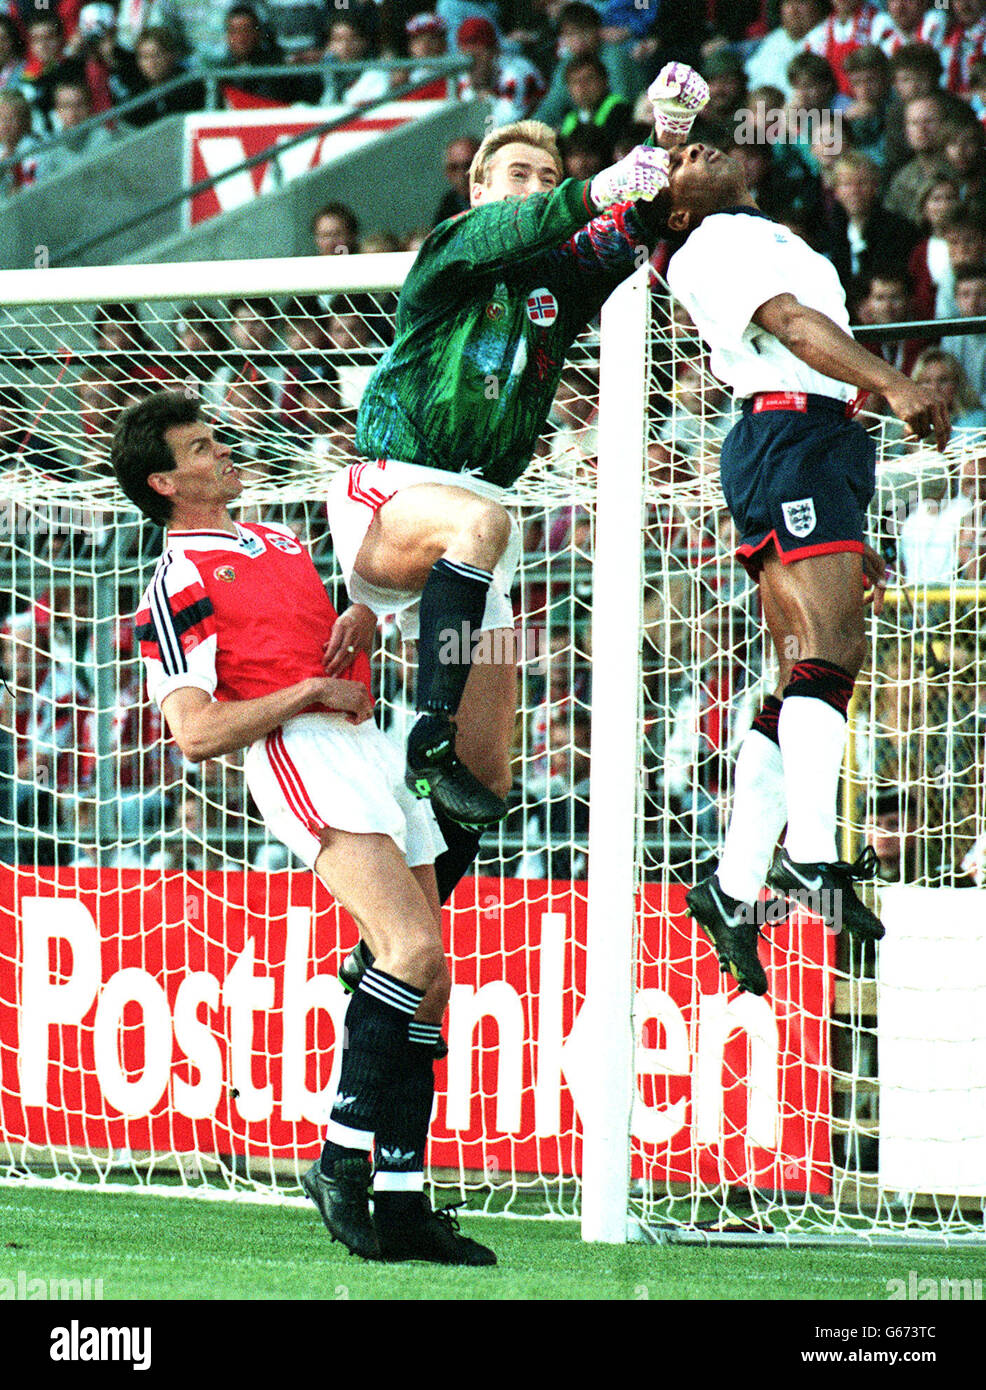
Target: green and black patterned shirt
<point x="487" y="314"/>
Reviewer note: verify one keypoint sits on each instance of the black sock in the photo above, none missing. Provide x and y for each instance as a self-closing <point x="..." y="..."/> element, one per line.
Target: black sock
<point x="401" y="1139"/>
<point x="373" y="1062"/>
<point x="454" y="863"/>
<point x="453" y="602"/>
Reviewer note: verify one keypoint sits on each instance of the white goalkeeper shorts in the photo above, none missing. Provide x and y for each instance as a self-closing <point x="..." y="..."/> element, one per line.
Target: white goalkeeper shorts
<point x="318" y="770"/>
<point x="356" y="495"/>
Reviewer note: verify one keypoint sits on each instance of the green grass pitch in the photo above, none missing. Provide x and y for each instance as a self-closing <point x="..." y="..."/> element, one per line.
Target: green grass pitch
<point x="165" y="1248"/>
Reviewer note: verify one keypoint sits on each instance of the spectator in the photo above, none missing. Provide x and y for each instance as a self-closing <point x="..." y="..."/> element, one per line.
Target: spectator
<point x="965" y="155"/>
<point x="356" y="330"/>
<point x="868" y="73"/>
<point x="72" y="108"/>
<point x="335" y="229"/>
<point x="965" y="244"/>
<point x="298" y="28"/>
<point x="929" y="265"/>
<point x="586" y="152"/>
<point x="19" y="446"/>
<point x="304" y="334"/>
<point x="458" y="161"/>
<point x="931" y="538"/>
<point x="768" y="63"/>
<point x="580" y="35"/>
<point x="852" y="24"/>
<point x="701" y="417"/>
<point x="158" y="58"/>
<point x="248" y="44"/>
<point x="781" y="183"/>
<point x="46" y="66"/>
<point x="895" y="834"/>
<point x="864" y="235"/>
<point x="815" y="101"/>
<point x="593" y="104"/>
<point x="12" y="56"/>
<point x="970" y="349"/>
<point x="379" y="243"/>
<point x="513" y="85"/>
<point x="111" y="70"/>
<point x="199" y="25"/>
<point x="16" y="142"/>
<point x="925" y="130"/>
<point x="201" y="354"/>
<point x="557" y="829"/>
<point x="426" y="38"/>
<point x="943" y="372"/>
<point x="886" y="298"/>
<point x="350" y="41"/>
<point x="121" y="338"/>
<point x="915" y="71"/>
<point x="252" y="380"/>
<point x="914" y="23"/>
<point x="723" y="71"/>
<point x="964" y="43"/>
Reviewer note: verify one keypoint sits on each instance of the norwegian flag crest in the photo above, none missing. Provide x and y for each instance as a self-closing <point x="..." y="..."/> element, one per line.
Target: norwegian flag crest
<point x="542" y="308"/>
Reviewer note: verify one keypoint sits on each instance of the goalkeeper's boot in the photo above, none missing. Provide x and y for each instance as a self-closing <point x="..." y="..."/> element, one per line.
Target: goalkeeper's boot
<point x="434" y="770"/>
<point x="731" y="927"/>
<point x="343" y="1201"/>
<point x="408" y="1229"/>
<point x="827" y="891"/>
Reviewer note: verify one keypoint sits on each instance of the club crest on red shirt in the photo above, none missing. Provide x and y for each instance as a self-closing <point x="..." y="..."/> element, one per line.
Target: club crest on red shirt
<point x="226" y="573"/>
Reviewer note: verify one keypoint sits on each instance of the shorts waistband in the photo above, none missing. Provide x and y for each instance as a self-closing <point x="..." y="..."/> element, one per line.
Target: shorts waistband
<point x="797" y="400"/>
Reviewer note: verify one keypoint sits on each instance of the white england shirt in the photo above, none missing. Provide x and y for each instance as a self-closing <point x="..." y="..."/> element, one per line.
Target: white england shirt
<point x="733" y="263"/>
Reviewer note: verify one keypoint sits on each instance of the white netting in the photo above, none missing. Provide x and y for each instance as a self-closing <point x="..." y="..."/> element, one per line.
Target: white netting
<point x="202" y="1069"/>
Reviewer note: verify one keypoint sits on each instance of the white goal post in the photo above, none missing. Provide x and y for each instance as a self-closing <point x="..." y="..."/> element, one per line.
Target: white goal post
<point x="168" y="1007"/>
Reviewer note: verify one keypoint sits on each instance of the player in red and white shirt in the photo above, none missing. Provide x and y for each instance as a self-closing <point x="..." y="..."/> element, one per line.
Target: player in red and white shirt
<point x="243" y="649"/>
<point x="853" y="24"/>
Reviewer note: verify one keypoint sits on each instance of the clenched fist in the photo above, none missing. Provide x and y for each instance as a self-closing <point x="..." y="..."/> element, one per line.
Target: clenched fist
<point x="677" y="95"/>
<point x="643" y="173"/>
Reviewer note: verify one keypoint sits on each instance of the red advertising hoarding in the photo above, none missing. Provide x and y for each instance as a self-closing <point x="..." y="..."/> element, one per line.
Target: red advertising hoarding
<point x="180" y="1013"/>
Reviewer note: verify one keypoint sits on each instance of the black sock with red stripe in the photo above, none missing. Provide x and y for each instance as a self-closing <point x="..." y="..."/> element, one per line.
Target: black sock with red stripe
<point x="766" y="720"/>
<point x="815" y="679"/>
<point x="453" y="602"/>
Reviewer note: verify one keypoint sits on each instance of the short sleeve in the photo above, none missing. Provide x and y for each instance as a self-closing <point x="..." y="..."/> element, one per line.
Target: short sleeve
<point x="176" y="630"/>
<point x="728" y="268"/>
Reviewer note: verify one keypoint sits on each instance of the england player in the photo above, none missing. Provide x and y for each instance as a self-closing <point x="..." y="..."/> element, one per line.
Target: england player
<point x="451" y="417"/>
<point x="797" y="473"/>
<point x="233" y="629"/>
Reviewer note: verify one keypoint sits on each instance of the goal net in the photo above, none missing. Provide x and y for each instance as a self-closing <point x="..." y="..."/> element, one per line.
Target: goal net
<point x="169" y="1011"/>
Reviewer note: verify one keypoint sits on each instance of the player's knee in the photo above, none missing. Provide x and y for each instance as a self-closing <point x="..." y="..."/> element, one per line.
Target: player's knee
<point x="483" y="528"/>
<point x="437" y="997"/>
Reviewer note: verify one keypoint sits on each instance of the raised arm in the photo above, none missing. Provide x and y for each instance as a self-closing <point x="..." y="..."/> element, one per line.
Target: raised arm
<point x="205" y="728"/>
<point x="821" y="344"/>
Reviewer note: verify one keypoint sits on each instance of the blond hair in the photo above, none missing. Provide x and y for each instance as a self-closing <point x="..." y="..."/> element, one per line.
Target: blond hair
<point x="533" y="133"/>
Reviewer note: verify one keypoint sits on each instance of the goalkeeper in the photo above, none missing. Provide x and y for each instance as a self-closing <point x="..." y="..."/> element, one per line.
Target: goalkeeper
<point x="450" y="418"/>
<point x="797" y="473"/>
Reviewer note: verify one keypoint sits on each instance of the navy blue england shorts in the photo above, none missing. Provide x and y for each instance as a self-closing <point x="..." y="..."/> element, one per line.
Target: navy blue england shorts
<point x="799" y="472"/>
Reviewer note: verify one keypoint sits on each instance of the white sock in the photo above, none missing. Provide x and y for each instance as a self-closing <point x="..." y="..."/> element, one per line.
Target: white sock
<point x="813" y="740"/>
<point x="757" y="818"/>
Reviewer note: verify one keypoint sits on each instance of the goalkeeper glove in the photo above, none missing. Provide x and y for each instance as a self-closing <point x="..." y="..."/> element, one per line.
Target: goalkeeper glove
<point x="677" y="95"/>
<point x="643" y="173"/>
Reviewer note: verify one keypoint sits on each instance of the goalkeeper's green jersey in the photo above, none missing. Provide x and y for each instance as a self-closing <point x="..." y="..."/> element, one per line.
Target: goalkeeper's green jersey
<point x="487" y="314"/>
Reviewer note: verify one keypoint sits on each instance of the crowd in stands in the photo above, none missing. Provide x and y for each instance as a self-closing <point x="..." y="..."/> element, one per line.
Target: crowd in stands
<point x="861" y="126"/>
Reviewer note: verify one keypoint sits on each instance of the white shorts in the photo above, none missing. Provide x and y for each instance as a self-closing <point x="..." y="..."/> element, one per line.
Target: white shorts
<point x="356" y="495"/>
<point x="318" y="770"/>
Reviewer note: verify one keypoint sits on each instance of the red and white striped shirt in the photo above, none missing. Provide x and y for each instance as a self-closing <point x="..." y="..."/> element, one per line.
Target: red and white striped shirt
<point x="836" y="38"/>
<point x="238" y="616"/>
